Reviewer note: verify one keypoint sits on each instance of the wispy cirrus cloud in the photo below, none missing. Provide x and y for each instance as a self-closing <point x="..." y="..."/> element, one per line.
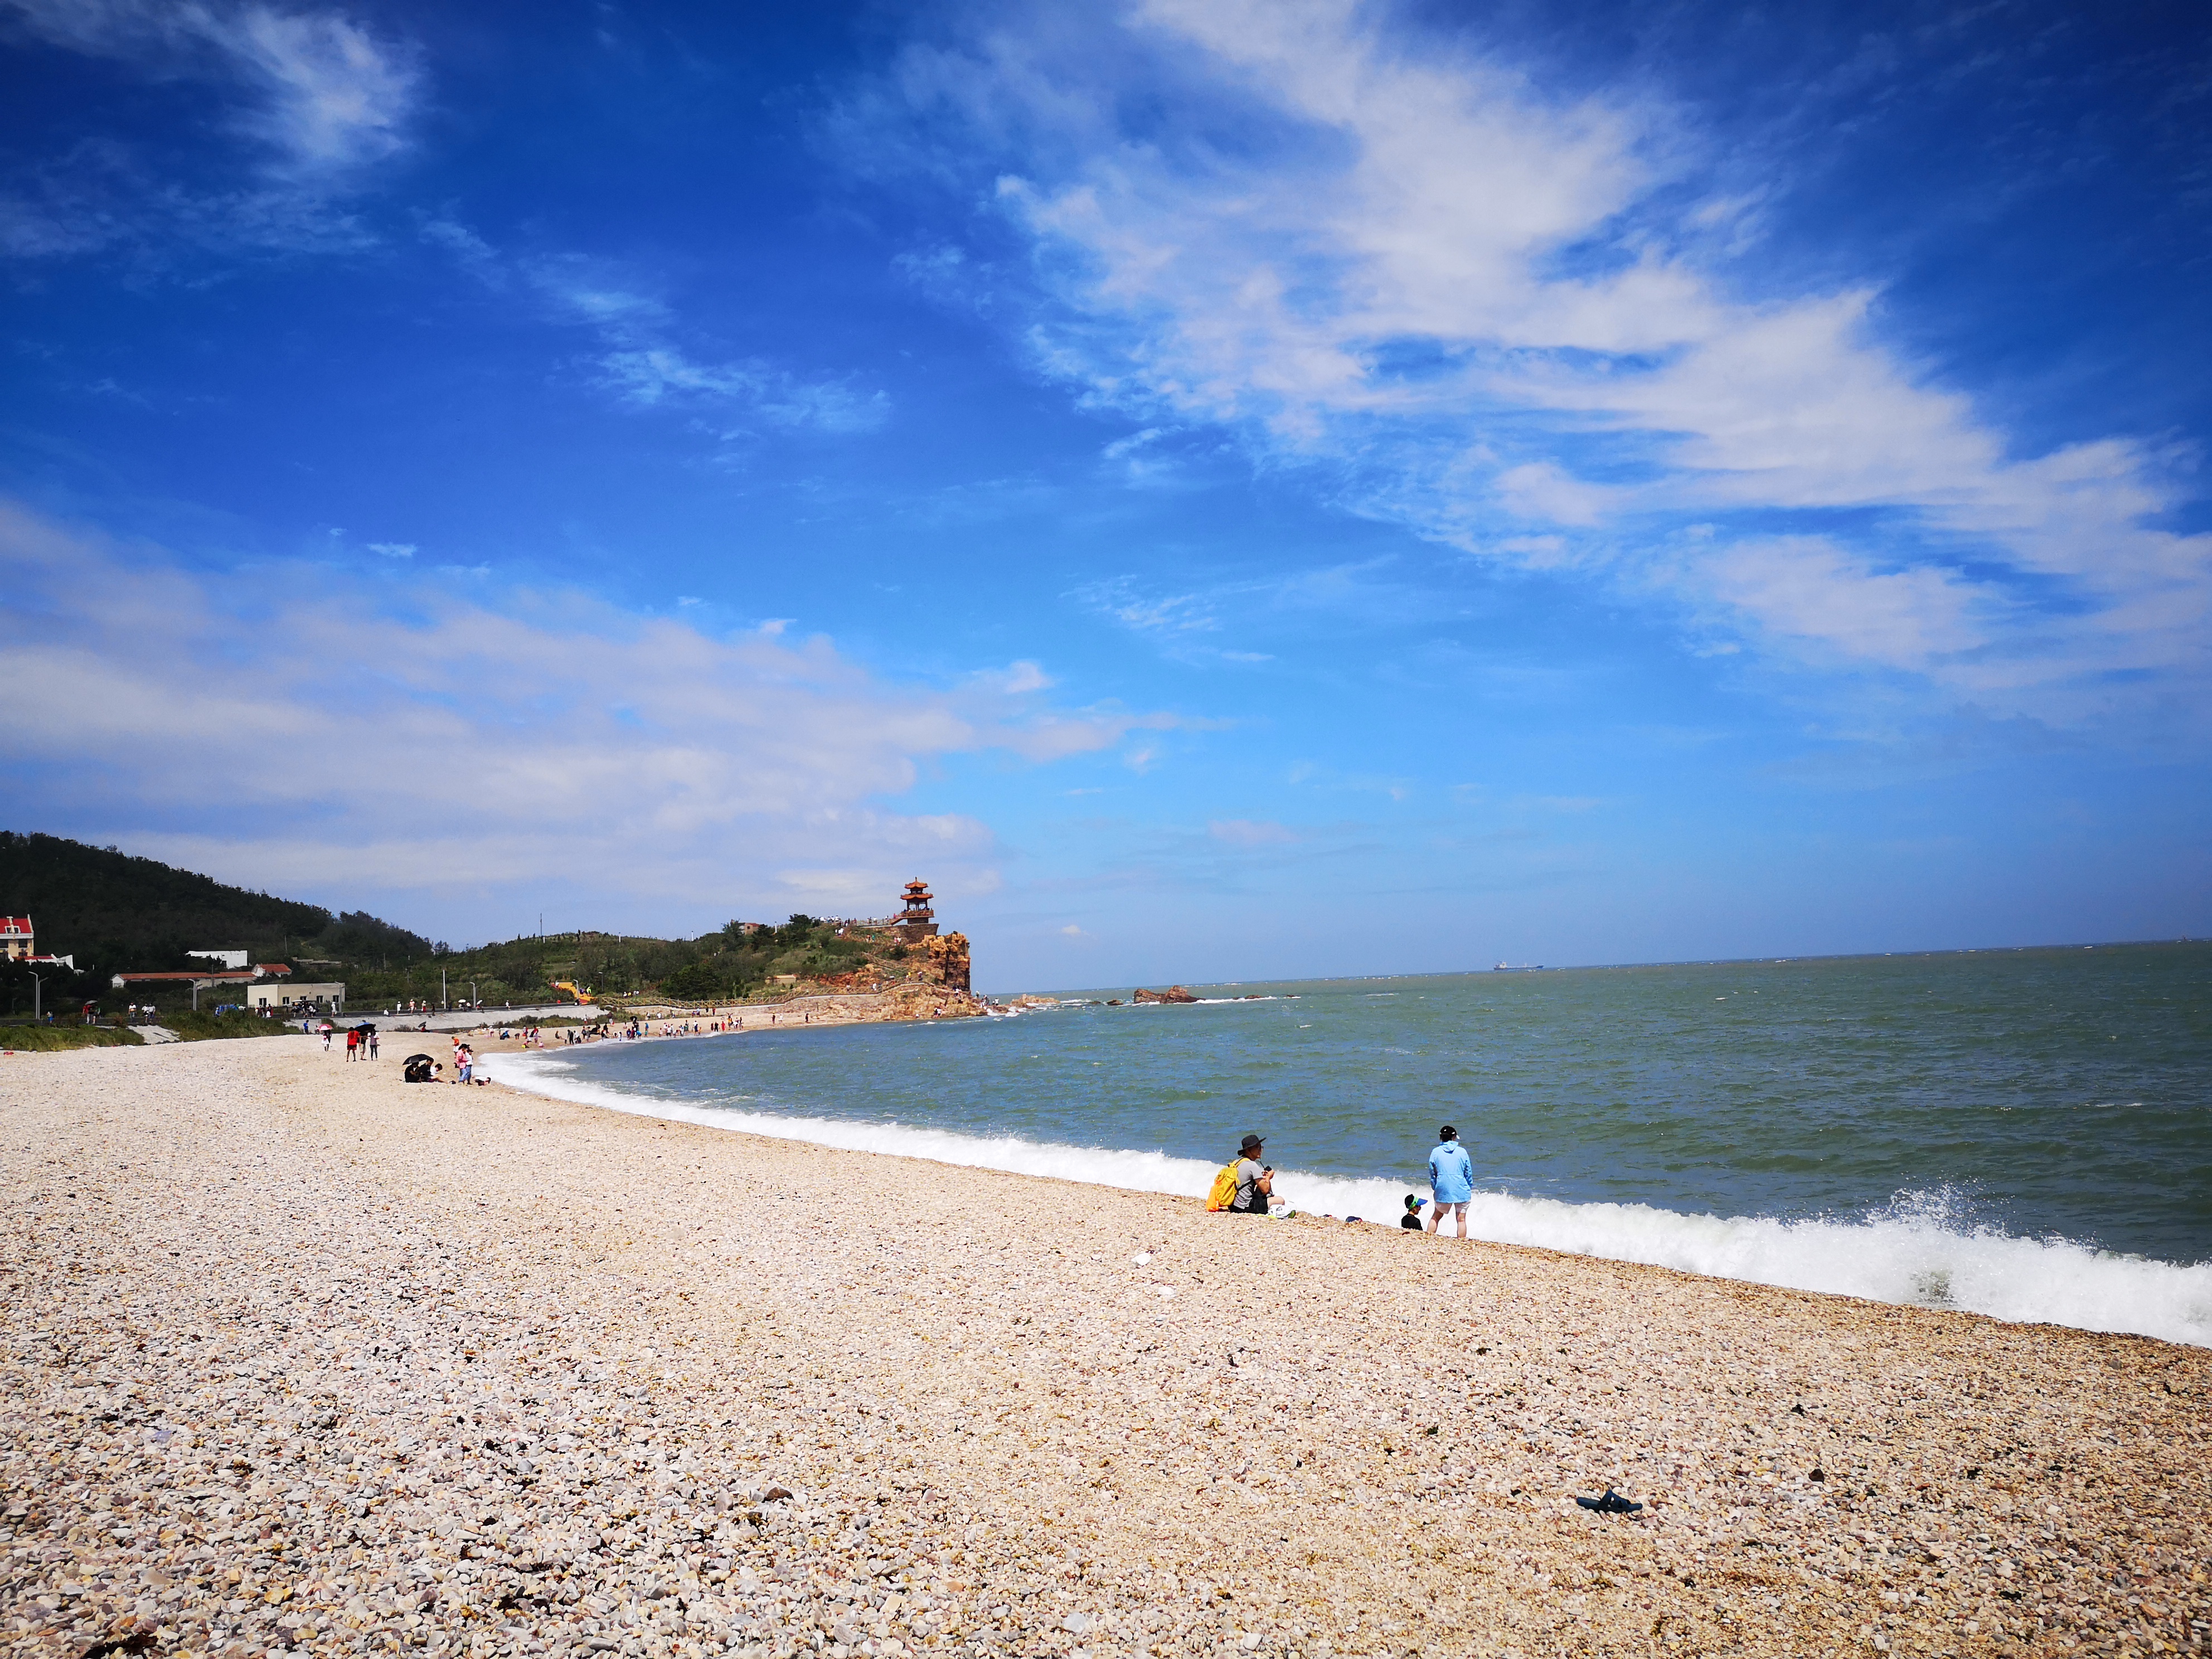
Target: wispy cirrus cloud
<point x="319" y="92"/>
<point x="317" y="99"/>
<point x="643" y="360"/>
<point x="1516" y="320"/>
<point x="1186" y="625"/>
<point x="312" y="734"/>
<point x="1173" y="616"/>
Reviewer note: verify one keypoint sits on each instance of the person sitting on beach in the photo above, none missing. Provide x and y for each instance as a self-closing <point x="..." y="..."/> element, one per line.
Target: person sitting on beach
<point x="1255" y="1182"/>
<point x="1412" y="1218"/>
<point x="1451" y="1178"/>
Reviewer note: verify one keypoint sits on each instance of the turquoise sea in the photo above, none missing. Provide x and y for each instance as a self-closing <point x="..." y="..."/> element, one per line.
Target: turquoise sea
<point x="2022" y="1133"/>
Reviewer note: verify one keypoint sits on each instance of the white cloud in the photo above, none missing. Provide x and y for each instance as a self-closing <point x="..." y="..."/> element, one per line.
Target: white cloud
<point x="326" y="95"/>
<point x="1806" y="588"/>
<point x="299" y="736"/>
<point x="394" y="550"/>
<point x="1159" y="614"/>
<point x="1505" y="318"/>
<point x="643" y="366"/>
<point x="1017" y="678"/>
<point x="321" y="99"/>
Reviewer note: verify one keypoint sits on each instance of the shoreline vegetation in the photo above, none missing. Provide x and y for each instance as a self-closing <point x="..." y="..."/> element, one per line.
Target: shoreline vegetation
<point x="442" y="1370"/>
<point x="59" y="1039"/>
<point x="181" y="1024"/>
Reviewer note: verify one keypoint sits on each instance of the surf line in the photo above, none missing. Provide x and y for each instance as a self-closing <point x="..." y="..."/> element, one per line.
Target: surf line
<point x="1911" y="1253"/>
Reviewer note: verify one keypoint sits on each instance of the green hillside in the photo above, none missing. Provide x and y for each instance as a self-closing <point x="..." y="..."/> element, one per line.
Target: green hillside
<point x="116" y="914"/>
<point x="736" y="960"/>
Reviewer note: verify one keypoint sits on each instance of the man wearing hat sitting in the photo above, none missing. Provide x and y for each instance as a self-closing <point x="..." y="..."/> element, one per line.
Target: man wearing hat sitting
<point x="1255" y="1182"/>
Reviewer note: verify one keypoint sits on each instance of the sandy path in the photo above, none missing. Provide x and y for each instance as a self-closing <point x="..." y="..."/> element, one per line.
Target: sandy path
<point x="296" y="1354"/>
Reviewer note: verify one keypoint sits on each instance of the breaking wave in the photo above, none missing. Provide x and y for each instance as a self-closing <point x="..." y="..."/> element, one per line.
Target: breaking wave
<point x="1918" y="1250"/>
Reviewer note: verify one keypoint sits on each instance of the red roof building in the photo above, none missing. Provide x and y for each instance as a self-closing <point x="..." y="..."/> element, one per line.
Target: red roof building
<point x="15" y="938"/>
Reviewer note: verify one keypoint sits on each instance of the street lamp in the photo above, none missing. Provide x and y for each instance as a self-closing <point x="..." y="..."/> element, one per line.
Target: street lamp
<point x="37" y="986"/>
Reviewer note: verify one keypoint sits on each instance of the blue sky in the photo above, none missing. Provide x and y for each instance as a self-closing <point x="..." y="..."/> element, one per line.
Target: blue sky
<point x="1221" y="489"/>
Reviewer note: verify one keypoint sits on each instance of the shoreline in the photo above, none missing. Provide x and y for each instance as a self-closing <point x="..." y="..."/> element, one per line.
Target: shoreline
<point x="1886" y="1259"/>
<point x="433" y="1370"/>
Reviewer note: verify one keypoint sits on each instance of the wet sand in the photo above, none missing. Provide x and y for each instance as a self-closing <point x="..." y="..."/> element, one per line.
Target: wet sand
<point x="299" y="1356"/>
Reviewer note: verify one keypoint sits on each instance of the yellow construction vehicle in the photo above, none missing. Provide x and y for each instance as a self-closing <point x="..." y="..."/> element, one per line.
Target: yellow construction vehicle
<point x="569" y="986"/>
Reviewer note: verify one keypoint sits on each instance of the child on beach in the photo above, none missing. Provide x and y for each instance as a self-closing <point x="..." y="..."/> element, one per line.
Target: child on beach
<point x="1412" y="1218"/>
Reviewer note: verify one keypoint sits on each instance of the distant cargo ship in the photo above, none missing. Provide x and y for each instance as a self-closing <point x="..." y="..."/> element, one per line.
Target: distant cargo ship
<point x="1518" y="967"/>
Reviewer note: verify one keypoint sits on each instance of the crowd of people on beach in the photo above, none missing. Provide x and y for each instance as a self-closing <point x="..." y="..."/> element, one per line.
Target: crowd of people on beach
<point x="360" y="1041"/>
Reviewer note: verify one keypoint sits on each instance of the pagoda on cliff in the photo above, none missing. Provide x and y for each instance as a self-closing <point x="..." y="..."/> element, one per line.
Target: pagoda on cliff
<point x="917" y="921"/>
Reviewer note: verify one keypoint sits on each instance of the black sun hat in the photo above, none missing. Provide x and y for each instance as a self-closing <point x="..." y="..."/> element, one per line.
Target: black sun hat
<point x="1253" y="1143"/>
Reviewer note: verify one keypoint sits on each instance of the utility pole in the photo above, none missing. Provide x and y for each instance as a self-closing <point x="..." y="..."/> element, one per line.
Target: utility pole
<point x="37" y="1012"/>
<point x="444" y="1003"/>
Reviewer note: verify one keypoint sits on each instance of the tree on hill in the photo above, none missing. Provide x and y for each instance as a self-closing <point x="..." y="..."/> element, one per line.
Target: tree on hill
<point x="140" y="915"/>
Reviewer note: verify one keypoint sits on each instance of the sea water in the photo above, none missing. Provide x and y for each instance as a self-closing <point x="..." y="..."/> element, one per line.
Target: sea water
<point x="2025" y="1134"/>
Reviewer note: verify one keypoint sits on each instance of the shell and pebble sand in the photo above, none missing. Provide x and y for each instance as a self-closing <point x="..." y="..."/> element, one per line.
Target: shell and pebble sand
<point x="298" y="1357"/>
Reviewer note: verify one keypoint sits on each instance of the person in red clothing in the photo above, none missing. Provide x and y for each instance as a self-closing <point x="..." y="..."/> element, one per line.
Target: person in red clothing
<point x="353" y="1045"/>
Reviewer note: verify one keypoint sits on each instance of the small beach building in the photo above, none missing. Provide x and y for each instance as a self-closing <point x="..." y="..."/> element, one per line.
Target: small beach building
<point x="230" y="959"/>
<point x="279" y="998"/>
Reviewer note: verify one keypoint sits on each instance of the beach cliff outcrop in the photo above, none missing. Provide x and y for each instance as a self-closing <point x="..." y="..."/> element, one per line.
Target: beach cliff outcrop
<point x="945" y="961"/>
<point x="1173" y="994"/>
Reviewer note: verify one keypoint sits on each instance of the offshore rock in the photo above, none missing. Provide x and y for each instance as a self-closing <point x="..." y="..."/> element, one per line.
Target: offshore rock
<point x="1173" y="994"/>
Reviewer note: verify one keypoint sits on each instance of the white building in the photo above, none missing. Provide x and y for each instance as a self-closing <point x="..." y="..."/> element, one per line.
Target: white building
<point x="328" y="998"/>
<point x="233" y="960"/>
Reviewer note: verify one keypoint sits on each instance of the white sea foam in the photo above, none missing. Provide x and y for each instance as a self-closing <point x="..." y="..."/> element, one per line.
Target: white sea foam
<point x="1917" y="1251"/>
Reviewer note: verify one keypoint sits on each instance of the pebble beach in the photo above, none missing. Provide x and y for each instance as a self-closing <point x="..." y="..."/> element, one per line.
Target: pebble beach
<point x="300" y="1359"/>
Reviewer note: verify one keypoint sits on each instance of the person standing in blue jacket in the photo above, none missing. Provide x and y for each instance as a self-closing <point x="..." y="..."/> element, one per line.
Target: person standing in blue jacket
<point x="1451" y="1178"/>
